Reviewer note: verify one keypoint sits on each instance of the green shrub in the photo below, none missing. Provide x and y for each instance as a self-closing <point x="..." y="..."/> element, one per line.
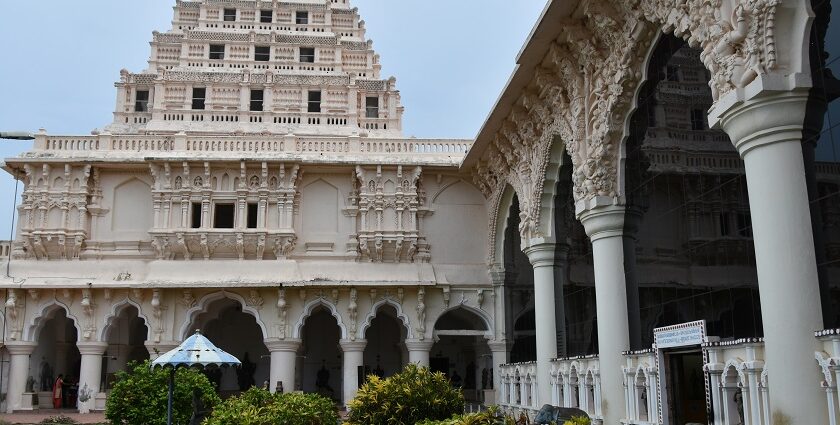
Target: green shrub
<point x="488" y="417"/>
<point x="259" y="407"/>
<point x="411" y="396"/>
<point x="578" y="420"/>
<point x="140" y="395"/>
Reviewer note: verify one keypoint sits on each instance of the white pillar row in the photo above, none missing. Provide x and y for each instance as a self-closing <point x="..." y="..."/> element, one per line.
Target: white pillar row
<point x="283" y="362"/>
<point x="18" y="372"/>
<point x="541" y="256"/>
<point x="767" y="132"/>
<point x="418" y="351"/>
<point x="605" y="228"/>
<point x="158" y="349"/>
<point x="353" y="358"/>
<point x="90" y="374"/>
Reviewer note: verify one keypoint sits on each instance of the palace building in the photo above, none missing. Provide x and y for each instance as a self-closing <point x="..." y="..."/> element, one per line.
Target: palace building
<point x="644" y="228"/>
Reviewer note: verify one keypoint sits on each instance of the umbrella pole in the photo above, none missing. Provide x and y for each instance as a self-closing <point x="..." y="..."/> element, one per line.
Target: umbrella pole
<point x="169" y="402"/>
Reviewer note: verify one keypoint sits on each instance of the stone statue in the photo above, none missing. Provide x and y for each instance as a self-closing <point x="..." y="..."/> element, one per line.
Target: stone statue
<point x="245" y="373"/>
<point x="30" y="384"/>
<point x="738" y="398"/>
<point x="199" y="410"/>
<point x="46" y="376"/>
<point x="322" y="380"/>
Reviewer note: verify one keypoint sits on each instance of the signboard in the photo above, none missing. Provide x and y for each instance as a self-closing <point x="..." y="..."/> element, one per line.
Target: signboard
<point x="682" y="335"/>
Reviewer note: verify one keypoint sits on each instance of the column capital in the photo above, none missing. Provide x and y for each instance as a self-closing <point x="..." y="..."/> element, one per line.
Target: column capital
<point x="417" y="345"/>
<point x="603" y="222"/>
<point x="540" y="254"/>
<point x="21" y="347"/>
<point x="288" y="344"/>
<point x="353" y="346"/>
<point x="160" y="347"/>
<point x="499" y="346"/>
<point x="765" y="120"/>
<point x="94" y="348"/>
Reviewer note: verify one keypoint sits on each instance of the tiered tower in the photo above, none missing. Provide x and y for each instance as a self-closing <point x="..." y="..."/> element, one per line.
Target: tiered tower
<point x="260" y="67"/>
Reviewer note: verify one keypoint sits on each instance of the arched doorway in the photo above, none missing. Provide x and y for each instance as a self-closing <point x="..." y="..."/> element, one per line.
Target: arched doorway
<point x="384" y="353"/>
<point x="238" y="333"/>
<point x="126" y="335"/>
<point x="56" y="354"/>
<point x="321" y="364"/>
<point x="461" y="352"/>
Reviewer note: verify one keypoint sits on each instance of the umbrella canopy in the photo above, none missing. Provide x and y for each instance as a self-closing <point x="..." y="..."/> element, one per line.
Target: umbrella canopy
<point x="196" y="350"/>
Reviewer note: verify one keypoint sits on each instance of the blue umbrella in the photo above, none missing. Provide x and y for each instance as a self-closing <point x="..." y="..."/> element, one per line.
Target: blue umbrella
<point x="196" y="350"/>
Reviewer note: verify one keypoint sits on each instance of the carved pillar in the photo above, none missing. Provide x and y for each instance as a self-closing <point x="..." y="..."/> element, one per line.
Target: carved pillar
<point x="90" y="374"/>
<point x="418" y="352"/>
<point x="283" y="359"/>
<point x="561" y="275"/>
<point x="768" y="135"/>
<point x="18" y="372"/>
<point x="541" y="255"/>
<point x="605" y="228"/>
<point x="353" y="358"/>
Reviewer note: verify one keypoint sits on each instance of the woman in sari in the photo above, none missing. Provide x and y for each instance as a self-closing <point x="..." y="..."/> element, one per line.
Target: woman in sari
<point x="57" y="392"/>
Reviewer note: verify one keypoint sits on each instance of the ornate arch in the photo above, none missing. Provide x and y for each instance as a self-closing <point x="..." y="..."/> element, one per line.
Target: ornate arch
<point x="307" y="311"/>
<point x="499" y="209"/>
<point x="116" y="310"/>
<point x="375" y="309"/>
<point x="204" y="302"/>
<point x="46" y="312"/>
<point x="481" y="314"/>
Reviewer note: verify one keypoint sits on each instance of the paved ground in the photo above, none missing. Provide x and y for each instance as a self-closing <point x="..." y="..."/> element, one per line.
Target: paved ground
<point x="34" y="418"/>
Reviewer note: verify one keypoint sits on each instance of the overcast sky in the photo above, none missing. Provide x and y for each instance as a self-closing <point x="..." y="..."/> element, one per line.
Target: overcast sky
<point x="60" y="61"/>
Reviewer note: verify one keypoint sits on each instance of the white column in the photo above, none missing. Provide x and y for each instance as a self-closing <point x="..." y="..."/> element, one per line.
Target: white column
<point x="541" y="256"/>
<point x="283" y="362"/>
<point x="767" y="133"/>
<point x="500" y="350"/>
<point x="418" y="352"/>
<point x="353" y="358"/>
<point x="18" y="372"/>
<point x="605" y="226"/>
<point x="90" y="374"/>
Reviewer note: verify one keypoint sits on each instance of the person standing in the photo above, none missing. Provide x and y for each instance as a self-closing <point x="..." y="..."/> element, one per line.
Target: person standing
<point x="57" y="391"/>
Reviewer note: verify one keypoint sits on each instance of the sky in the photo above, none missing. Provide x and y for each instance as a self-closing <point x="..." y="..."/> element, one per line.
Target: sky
<point x="60" y="61"/>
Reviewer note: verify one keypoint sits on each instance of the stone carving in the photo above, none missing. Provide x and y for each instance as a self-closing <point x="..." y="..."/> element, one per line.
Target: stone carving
<point x="188" y="299"/>
<point x="421" y="313"/>
<point x="254" y="299"/>
<point x="281" y="312"/>
<point x="260" y="247"/>
<point x="204" y="244"/>
<point x="353" y="313"/>
<point x="182" y="245"/>
<point x="240" y="246"/>
<point x="446" y="296"/>
<point x="13" y="316"/>
<point x="157" y="313"/>
<point x="283" y="247"/>
<point x="88" y="308"/>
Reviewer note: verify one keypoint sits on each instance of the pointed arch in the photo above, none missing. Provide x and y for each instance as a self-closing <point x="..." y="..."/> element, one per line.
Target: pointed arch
<point x="375" y="309"/>
<point x="498" y="224"/>
<point x="205" y="301"/>
<point x="307" y="311"/>
<point x="114" y="313"/>
<point x="46" y="312"/>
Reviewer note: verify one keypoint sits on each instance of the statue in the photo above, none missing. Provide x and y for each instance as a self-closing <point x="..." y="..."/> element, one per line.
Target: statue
<point x="245" y="373"/>
<point x="30" y="384"/>
<point x="738" y="398"/>
<point x="199" y="410"/>
<point x="279" y="387"/>
<point x="46" y="376"/>
<point x="322" y="380"/>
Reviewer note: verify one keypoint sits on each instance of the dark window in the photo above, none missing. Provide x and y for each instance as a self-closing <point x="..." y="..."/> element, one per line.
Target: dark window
<point x="307" y="54"/>
<point x="252" y="216"/>
<point x="672" y="73"/>
<point x="196" y="215"/>
<point x="302" y="18"/>
<point x="230" y="15"/>
<point x="199" y="95"/>
<point x="266" y="16"/>
<point x="314" y="101"/>
<point x="724" y="224"/>
<point x="744" y="225"/>
<point x="217" y="51"/>
<point x="698" y="119"/>
<point x="256" y="100"/>
<point x="141" y="102"/>
<point x="223" y="216"/>
<point x="262" y="53"/>
<point x="372" y="107"/>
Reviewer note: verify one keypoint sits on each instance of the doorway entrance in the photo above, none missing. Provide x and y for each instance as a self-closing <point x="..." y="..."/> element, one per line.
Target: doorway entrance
<point x="686" y="387"/>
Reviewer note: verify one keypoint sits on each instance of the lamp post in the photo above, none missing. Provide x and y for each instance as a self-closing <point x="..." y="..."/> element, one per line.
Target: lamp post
<point x="16" y="135"/>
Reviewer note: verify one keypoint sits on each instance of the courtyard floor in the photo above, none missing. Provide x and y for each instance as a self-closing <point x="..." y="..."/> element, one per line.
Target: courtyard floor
<point x="36" y="417"/>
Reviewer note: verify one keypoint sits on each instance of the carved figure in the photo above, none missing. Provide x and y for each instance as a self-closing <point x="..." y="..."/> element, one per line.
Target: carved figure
<point x="421" y="313"/>
<point x="240" y="246"/>
<point x="182" y="244"/>
<point x="205" y="246"/>
<point x="281" y="312"/>
<point x="353" y="312"/>
<point x="260" y="247"/>
<point x="77" y="246"/>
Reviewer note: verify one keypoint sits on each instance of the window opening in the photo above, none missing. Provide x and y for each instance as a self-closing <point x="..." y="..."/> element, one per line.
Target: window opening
<point x="223" y="216"/>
